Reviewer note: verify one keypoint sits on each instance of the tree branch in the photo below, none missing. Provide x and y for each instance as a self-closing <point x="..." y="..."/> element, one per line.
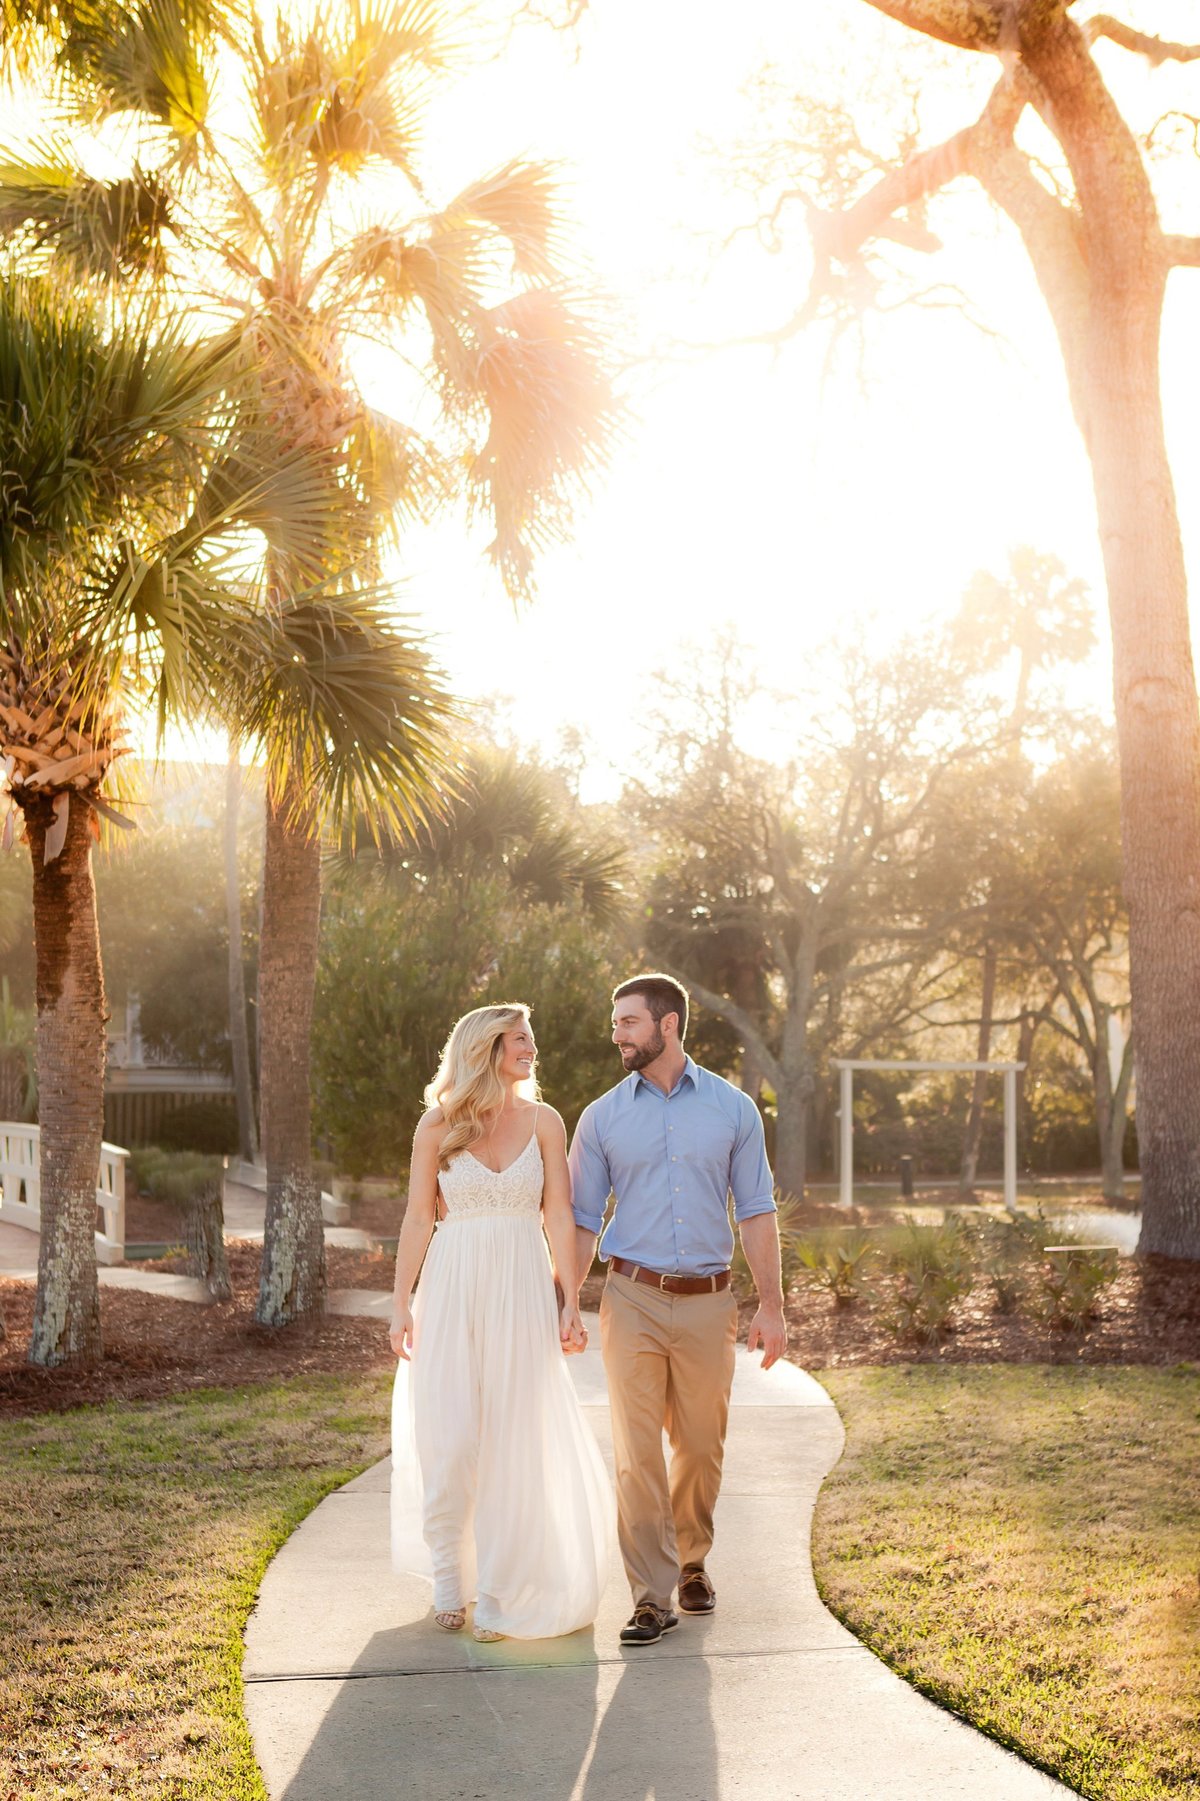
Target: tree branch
<point x="967" y="24"/>
<point x="1182" y="252"/>
<point x="843" y="235"/>
<point x="739" y="1019"/>
<point x="1155" y="50"/>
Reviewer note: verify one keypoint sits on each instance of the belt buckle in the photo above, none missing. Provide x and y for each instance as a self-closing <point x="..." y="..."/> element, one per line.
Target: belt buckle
<point x="662" y="1283"/>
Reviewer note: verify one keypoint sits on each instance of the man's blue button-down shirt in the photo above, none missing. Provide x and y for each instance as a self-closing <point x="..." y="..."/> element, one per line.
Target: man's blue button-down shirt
<point x="671" y="1161"/>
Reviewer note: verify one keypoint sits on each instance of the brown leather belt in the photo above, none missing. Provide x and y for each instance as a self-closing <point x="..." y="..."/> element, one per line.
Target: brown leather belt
<point x="670" y="1284"/>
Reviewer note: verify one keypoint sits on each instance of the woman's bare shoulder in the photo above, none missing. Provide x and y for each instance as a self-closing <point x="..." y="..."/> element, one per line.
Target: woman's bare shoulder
<point x="430" y="1126"/>
<point x="550" y="1120"/>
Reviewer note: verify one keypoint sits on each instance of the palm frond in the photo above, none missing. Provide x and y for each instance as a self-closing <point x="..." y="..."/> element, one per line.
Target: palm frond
<point x="349" y="86"/>
<point x="552" y="418"/>
<point x="350" y="713"/>
<point x="102" y="422"/>
<point x="147" y="59"/>
<point x="400" y="475"/>
<point x="513" y="817"/>
<point x="33" y="30"/>
<point x="438" y="270"/>
<point x="519" y="204"/>
<point x="104" y="229"/>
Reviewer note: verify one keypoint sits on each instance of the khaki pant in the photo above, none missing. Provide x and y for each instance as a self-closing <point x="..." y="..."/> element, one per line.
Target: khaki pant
<point x="669" y="1360"/>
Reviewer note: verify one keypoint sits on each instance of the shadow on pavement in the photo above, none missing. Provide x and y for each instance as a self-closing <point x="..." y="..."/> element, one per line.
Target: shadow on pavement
<point x="547" y="1720"/>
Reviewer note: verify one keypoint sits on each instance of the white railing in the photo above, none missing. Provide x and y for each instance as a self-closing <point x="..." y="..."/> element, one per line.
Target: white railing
<point x="21" y="1188"/>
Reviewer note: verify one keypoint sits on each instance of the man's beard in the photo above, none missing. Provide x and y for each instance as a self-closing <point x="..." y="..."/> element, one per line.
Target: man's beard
<point x="647" y="1053"/>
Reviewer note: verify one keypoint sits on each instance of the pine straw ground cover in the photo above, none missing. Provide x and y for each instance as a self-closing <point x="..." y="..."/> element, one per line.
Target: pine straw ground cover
<point x="135" y="1537"/>
<point x="1021" y="1544"/>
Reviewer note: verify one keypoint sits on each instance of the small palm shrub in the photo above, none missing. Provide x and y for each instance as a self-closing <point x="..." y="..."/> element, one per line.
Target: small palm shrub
<point x="1071" y="1279"/>
<point x="1008" y="1252"/>
<point x="933" y="1269"/>
<point x="835" y="1262"/>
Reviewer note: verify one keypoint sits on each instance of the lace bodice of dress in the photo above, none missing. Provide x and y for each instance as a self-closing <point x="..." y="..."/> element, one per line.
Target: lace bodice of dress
<point x="471" y="1190"/>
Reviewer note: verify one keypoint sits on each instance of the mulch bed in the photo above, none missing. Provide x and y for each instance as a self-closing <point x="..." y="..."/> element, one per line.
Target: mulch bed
<point x="1150" y="1314"/>
<point x="155" y="1346"/>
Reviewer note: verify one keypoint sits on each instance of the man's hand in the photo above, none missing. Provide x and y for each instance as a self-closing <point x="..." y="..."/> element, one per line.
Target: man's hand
<point x="571" y="1331"/>
<point x="768" y="1328"/>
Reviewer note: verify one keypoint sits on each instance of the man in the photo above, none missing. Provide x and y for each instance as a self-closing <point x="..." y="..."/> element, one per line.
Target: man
<point x="670" y="1143"/>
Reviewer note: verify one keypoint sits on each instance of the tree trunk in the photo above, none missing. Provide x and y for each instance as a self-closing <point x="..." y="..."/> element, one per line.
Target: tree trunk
<point x="1158" y="723"/>
<point x="1112" y="1104"/>
<point x="973" y="1136"/>
<point x="293" y="1265"/>
<point x="71" y="1016"/>
<point x="791" y="1134"/>
<point x="204" y="1241"/>
<point x="239" y="1038"/>
<point x="793" y="1094"/>
<point x="745" y="993"/>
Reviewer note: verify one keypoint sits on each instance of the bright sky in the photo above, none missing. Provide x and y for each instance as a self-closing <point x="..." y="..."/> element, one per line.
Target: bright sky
<point x="755" y="486"/>
<point x="750" y="489"/>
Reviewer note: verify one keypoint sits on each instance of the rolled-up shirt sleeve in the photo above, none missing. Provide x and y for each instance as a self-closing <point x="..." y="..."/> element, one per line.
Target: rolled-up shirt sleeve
<point x="591" y="1183"/>
<point x="749" y="1172"/>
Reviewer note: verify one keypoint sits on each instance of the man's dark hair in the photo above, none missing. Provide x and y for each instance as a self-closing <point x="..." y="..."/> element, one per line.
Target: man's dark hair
<point x="662" y="994"/>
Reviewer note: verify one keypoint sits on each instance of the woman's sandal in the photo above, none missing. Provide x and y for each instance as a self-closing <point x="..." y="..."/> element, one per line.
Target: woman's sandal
<point x="453" y="1619"/>
<point x="483" y="1635"/>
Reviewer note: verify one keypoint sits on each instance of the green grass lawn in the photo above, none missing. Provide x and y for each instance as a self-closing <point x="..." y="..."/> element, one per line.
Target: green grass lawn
<point x="133" y="1541"/>
<point x="1023" y="1544"/>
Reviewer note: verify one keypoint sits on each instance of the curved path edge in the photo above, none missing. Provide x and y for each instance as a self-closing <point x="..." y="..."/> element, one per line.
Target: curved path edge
<point x="352" y="1692"/>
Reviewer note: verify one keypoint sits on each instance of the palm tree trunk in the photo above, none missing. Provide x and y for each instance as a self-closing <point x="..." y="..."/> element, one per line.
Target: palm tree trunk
<point x="292" y="1282"/>
<point x="71" y="1016"/>
<point x="239" y="1039"/>
<point x="973" y="1138"/>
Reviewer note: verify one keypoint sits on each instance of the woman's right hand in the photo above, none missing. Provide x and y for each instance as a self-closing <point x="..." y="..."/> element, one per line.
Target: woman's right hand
<point x="400" y="1333"/>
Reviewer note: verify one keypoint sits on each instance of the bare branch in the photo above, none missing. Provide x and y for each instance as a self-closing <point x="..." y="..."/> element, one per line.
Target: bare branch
<point x="1155" y="50"/>
<point x="1182" y="252"/>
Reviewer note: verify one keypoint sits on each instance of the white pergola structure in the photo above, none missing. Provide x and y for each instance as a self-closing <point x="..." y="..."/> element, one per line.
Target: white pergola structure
<point x="846" y="1067"/>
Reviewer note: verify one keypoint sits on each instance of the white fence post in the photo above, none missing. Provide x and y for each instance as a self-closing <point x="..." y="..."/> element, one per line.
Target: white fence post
<point x="846" y="1126"/>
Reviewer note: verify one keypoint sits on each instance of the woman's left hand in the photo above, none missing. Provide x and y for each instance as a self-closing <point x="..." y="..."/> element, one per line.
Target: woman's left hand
<point x="572" y="1331"/>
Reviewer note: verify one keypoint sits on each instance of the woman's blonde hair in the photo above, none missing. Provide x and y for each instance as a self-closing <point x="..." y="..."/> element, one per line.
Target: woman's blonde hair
<point x="467" y="1086"/>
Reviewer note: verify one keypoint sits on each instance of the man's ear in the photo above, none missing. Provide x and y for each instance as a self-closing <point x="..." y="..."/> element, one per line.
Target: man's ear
<point x="673" y="1018"/>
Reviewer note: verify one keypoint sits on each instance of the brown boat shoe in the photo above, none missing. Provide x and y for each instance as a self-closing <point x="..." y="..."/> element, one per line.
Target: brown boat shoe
<point x="696" y="1592"/>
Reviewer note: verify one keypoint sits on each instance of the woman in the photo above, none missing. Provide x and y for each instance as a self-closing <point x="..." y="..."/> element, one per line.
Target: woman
<point x="489" y="1446"/>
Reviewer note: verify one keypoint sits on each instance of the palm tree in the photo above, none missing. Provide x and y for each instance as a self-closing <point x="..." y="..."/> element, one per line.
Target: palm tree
<point x="515" y="820"/>
<point x="499" y="361"/>
<point x="103" y="421"/>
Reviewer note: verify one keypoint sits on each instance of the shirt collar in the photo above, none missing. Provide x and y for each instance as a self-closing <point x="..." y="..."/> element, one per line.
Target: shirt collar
<point x="637" y="1079"/>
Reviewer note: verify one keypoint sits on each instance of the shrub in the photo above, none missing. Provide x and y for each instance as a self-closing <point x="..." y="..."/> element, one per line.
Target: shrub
<point x="177" y="1177"/>
<point x="1008" y="1252"/>
<point x="934" y="1270"/>
<point x="203" y="1125"/>
<point x="1071" y="1281"/>
<point x="835" y="1261"/>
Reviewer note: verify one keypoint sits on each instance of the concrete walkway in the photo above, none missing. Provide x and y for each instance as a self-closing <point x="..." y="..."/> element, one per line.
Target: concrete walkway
<point x="19" y="1255"/>
<point x="353" y="1694"/>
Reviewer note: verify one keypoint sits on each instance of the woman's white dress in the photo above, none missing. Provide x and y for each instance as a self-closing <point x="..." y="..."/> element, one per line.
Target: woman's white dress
<point x="493" y="1465"/>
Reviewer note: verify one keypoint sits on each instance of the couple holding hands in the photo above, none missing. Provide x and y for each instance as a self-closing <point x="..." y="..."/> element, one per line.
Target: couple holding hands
<point x="498" y="1486"/>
